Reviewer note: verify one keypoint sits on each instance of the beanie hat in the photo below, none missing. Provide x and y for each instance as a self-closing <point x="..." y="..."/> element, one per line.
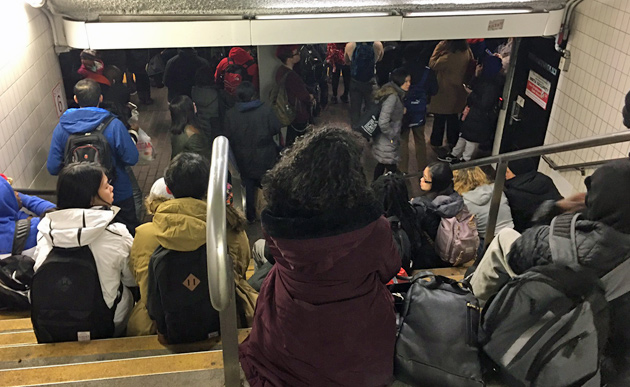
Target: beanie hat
<point x="159" y="188"/>
<point x="491" y="66"/>
<point x="605" y="186"/>
<point x="519" y="167"/>
<point x="89" y="54"/>
<point x="626" y="112"/>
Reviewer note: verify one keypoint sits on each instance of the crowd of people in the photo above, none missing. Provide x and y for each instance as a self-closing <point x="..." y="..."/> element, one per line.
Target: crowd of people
<point x="318" y="303"/>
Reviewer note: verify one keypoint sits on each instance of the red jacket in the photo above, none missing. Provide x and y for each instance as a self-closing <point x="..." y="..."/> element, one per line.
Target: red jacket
<point x="324" y="316"/>
<point x="240" y="57"/>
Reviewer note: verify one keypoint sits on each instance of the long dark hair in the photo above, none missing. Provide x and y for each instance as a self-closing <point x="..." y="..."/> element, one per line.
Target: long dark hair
<point x="390" y="190"/>
<point x="456" y="45"/>
<point x="321" y="172"/>
<point x="441" y="178"/>
<point x="78" y="184"/>
<point x="182" y="114"/>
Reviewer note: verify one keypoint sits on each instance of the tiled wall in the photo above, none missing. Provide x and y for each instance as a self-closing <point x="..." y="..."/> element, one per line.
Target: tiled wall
<point x="29" y="70"/>
<point x="590" y="95"/>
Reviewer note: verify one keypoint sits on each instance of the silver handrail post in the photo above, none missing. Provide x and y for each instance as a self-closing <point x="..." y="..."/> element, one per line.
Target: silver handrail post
<point x="499" y="182"/>
<point x="220" y="266"/>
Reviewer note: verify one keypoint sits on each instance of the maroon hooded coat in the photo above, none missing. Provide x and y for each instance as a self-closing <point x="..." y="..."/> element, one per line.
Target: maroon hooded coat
<point x="324" y="316"/>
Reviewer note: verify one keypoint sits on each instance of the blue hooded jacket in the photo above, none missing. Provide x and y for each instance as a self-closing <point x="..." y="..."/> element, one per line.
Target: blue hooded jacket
<point x="83" y="120"/>
<point x="10" y="213"/>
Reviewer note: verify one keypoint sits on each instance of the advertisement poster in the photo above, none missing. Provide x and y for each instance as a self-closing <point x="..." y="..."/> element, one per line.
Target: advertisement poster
<point x="538" y="89"/>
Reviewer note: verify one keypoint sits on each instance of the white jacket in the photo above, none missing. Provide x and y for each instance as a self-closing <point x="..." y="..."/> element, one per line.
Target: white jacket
<point x="110" y="244"/>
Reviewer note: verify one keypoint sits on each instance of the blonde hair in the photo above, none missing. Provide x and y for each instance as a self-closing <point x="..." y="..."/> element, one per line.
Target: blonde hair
<point x="465" y="180"/>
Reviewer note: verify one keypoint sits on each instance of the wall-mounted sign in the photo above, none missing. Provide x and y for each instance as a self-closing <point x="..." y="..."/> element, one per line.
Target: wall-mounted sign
<point x="538" y="89"/>
<point x="58" y="100"/>
<point x="496" y="25"/>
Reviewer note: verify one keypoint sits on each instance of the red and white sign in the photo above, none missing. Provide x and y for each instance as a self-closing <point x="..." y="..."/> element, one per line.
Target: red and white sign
<point x="538" y="89"/>
<point x="58" y="100"/>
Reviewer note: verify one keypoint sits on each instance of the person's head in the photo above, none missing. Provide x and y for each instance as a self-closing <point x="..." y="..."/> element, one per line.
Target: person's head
<point x="390" y="190"/>
<point x="187" y="176"/>
<point x="492" y="66"/>
<point x="87" y="93"/>
<point x="204" y="76"/>
<point x="83" y="185"/>
<point x="437" y="177"/>
<point x="113" y="74"/>
<point x="122" y="112"/>
<point x="322" y="171"/>
<point x="288" y="54"/>
<point x="245" y="92"/>
<point x="456" y="45"/>
<point x="465" y="180"/>
<point x="606" y="189"/>
<point x="401" y="78"/>
<point x="182" y="113"/>
<point x="520" y="167"/>
<point x="88" y="57"/>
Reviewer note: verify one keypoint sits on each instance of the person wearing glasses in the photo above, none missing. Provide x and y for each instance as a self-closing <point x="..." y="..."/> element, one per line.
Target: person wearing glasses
<point x="298" y="94"/>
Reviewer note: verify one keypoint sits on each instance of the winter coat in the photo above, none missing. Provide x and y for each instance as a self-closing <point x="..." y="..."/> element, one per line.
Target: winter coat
<point x="450" y="68"/>
<point x="207" y="101"/>
<point x="297" y="93"/>
<point x="239" y="56"/>
<point x="525" y="193"/>
<point x="10" y="213"/>
<point x="481" y="121"/>
<point x="109" y="242"/>
<point x="416" y="113"/>
<point x="179" y="73"/>
<point x="386" y="146"/>
<point x="478" y="203"/>
<point x="190" y="140"/>
<point x="600" y="248"/>
<point x="324" y="316"/>
<point x="430" y="213"/>
<point x="178" y="224"/>
<point x="83" y="120"/>
<point x="250" y="127"/>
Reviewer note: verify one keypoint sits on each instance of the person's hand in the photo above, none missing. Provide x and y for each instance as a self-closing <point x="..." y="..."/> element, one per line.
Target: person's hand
<point x="465" y="113"/>
<point x="478" y="70"/>
<point x="573" y="203"/>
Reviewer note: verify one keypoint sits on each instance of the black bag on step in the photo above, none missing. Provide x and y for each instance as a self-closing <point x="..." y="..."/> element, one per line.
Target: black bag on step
<point x="16" y="271"/>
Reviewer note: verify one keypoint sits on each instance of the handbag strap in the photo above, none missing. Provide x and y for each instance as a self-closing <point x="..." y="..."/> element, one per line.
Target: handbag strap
<point x="22" y="230"/>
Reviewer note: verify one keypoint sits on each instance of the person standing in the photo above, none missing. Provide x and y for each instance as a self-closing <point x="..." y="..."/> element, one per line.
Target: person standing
<point x="450" y="61"/>
<point x="339" y="68"/>
<point x="186" y="134"/>
<point x="362" y="58"/>
<point x="179" y="74"/>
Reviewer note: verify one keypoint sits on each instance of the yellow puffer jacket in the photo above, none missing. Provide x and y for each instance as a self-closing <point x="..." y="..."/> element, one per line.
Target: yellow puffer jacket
<point x="180" y="224"/>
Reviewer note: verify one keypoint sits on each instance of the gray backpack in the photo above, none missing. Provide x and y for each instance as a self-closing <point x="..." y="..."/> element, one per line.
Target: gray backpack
<point x="457" y="239"/>
<point x="549" y="326"/>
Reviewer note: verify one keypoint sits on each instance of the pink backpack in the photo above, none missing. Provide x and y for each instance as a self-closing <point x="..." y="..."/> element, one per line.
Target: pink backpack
<point x="457" y="239"/>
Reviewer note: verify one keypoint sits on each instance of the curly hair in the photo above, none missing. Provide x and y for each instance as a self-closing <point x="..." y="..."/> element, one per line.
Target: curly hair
<point x="321" y="172"/>
<point x="465" y="180"/>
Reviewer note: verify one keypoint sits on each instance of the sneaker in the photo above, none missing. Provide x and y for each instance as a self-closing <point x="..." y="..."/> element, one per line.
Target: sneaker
<point x="333" y="100"/>
<point x="344" y="98"/>
<point x="449" y="158"/>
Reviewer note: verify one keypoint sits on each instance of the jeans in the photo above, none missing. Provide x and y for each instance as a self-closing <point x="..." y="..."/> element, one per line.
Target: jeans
<point x="451" y="122"/>
<point x="344" y="71"/>
<point x="360" y="95"/>
<point x="251" y="186"/>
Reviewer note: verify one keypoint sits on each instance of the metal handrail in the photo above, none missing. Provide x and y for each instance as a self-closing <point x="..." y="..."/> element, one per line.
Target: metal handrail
<point x="502" y="159"/>
<point x="581" y="167"/>
<point x="220" y="272"/>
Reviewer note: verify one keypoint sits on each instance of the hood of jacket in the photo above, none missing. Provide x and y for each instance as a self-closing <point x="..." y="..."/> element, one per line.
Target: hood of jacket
<point x="447" y="206"/>
<point x="239" y="55"/>
<point x="83" y="119"/>
<point x="533" y="183"/>
<point x="75" y="227"/>
<point x="8" y="202"/>
<point x="313" y="244"/>
<point x="247" y="106"/>
<point x="388" y="89"/>
<point x="181" y="224"/>
<point x="481" y="195"/>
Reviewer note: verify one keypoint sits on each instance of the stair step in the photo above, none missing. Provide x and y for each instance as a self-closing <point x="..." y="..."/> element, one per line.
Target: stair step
<point x="8" y="315"/>
<point x="16" y="324"/>
<point x="14" y="338"/>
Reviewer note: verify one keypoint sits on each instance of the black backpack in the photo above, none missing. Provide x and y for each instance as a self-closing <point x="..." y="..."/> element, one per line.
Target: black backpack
<point x="235" y="74"/>
<point x="402" y="242"/>
<point x="16" y="271"/>
<point x="91" y="147"/>
<point x="66" y="298"/>
<point x="312" y="65"/>
<point x="368" y="122"/>
<point x="178" y="299"/>
<point x="363" y="62"/>
<point x="437" y="342"/>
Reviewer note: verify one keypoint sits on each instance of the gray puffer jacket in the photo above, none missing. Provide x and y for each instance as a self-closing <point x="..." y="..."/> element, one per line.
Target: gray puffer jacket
<point x="478" y="203"/>
<point x="386" y="146"/>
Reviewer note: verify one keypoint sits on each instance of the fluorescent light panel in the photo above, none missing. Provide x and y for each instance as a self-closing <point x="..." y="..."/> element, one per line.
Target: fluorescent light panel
<point x="472" y="12"/>
<point x="321" y="15"/>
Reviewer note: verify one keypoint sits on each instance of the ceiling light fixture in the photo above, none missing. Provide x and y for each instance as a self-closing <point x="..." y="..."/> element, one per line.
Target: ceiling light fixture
<point x="321" y="15"/>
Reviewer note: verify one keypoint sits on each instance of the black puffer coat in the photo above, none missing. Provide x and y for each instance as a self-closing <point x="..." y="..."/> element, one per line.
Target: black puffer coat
<point x="601" y="248"/>
<point x="481" y="121"/>
<point x="525" y="193"/>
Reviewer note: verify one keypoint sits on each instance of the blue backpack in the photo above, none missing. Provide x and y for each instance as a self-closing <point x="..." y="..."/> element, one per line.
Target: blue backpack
<point x="363" y="63"/>
<point x="416" y="101"/>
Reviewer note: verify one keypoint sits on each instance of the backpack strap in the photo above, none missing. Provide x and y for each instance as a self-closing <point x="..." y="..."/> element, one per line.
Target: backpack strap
<point x="22" y="230"/>
<point x="248" y="63"/>
<point x="105" y="123"/>
<point x="562" y="240"/>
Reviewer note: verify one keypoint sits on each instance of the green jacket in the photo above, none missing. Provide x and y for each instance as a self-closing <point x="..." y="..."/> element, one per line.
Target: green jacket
<point x="190" y="140"/>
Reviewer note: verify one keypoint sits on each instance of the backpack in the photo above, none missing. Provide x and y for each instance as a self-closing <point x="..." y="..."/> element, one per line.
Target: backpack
<point x="416" y="101"/>
<point x="91" y="147"/>
<point x="66" y="298"/>
<point x="312" y="65"/>
<point x="457" y="239"/>
<point x="367" y="125"/>
<point x="16" y="271"/>
<point x="401" y="239"/>
<point x="280" y="102"/>
<point x="549" y="325"/>
<point x="235" y="74"/>
<point x="437" y="342"/>
<point x="363" y="62"/>
<point x="178" y="298"/>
